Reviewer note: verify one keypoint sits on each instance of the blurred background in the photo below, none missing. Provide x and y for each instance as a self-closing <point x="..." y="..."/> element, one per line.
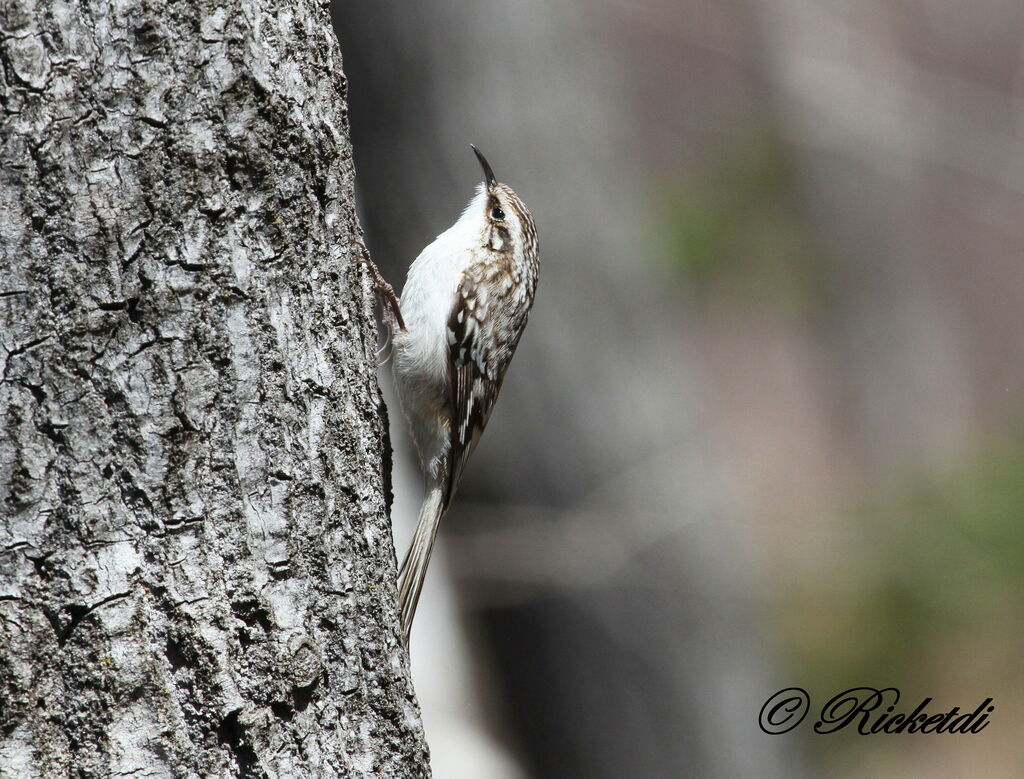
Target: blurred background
<point x="766" y="426"/>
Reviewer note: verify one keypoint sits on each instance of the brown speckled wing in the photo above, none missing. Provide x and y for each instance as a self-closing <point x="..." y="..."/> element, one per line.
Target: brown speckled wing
<point x="486" y="322"/>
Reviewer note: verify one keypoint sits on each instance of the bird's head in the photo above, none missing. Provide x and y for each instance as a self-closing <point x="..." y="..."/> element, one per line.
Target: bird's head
<point x="505" y="224"/>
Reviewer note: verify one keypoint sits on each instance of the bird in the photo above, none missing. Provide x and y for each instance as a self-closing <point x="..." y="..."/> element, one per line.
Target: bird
<point x="456" y="325"/>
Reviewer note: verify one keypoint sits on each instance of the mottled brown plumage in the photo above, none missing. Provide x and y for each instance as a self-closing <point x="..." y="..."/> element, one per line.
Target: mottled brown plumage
<point x="492" y="304"/>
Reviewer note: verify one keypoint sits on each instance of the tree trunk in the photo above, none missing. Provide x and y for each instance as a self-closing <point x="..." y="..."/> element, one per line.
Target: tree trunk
<point x="196" y="567"/>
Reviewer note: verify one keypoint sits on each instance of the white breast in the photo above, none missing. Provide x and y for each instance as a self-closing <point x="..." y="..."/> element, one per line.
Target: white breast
<point x="429" y="294"/>
<point x="421" y="351"/>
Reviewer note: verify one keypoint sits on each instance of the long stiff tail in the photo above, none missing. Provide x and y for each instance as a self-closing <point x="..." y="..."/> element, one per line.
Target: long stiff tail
<point x="414" y="566"/>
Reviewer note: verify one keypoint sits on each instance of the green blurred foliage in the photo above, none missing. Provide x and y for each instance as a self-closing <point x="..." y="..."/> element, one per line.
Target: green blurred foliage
<point x="737" y="228"/>
<point x="927" y="597"/>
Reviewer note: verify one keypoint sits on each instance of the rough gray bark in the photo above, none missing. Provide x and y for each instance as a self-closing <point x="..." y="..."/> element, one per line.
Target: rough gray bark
<point x="196" y="568"/>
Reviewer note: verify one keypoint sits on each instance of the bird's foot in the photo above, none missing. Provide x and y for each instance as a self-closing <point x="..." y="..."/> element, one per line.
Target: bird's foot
<point x="385" y="290"/>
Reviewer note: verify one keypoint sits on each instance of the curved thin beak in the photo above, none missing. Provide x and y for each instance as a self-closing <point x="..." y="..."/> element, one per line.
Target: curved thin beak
<point x="488" y="173"/>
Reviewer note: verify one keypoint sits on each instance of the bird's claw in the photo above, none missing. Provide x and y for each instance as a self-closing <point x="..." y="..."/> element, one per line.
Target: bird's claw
<point x="385" y="290"/>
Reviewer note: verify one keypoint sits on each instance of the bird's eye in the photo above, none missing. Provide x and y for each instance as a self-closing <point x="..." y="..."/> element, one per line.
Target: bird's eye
<point x="497" y="214"/>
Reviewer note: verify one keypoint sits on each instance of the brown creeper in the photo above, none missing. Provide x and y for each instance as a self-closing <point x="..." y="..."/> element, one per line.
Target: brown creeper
<point x="464" y="305"/>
